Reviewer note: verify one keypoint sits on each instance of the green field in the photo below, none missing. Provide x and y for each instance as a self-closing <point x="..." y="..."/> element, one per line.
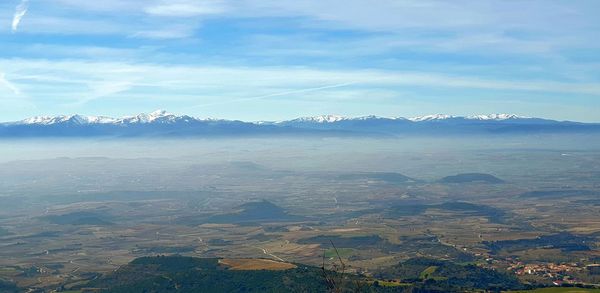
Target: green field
<point x="427" y="272"/>
<point x="6" y="270"/>
<point x="344" y="252"/>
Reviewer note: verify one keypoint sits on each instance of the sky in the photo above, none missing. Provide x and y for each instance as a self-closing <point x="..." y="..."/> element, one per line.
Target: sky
<point x="280" y="59"/>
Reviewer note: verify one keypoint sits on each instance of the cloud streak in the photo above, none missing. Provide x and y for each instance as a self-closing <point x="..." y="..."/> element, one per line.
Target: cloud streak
<point x="20" y="11"/>
<point x="234" y="80"/>
<point x="219" y="89"/>
<point x="7" y="84"/>
<point x="285" y="93"/>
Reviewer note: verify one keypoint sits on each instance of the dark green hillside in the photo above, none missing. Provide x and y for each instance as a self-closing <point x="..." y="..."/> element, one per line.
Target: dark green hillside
<point x="447" y="276"/>
<point x="188" y="274"/>
<point x="564" y="241"/>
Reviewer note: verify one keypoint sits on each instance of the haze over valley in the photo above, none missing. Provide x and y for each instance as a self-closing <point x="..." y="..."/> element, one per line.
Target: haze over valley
<point x="76" y="208"/>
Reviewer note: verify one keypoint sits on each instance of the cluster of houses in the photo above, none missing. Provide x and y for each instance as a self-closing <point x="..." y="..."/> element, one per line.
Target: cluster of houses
<point x="559" y="273"/>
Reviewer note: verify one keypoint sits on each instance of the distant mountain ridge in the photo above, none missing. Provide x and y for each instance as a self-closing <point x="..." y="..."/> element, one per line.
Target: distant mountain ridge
<point x="162" y="116"/>
<point x="162" y="123"/>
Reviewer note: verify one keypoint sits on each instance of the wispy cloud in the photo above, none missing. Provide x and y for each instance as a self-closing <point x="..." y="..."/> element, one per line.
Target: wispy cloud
<point x="218" y="90"/>
<point x="20" y="11"/>
<point x="4" y="82"/>
<point x="185" y="8"/>
<point x="103" y="89"/>
<point x="284" y="93"/>
<point x="215" y="89"/>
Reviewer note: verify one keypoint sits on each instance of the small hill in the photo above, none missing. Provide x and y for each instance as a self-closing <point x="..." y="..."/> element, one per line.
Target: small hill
<point x="79" y="218"/>
<point x="493" y="214"/>
<point x="255" y="212"/>
<point x="472" y="178"/>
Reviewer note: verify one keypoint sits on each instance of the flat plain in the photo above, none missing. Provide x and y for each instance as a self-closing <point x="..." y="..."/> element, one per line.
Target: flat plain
<point x="530" y="211"/>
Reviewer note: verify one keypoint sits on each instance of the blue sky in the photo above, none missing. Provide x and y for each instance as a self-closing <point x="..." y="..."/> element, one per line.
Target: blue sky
<point x="280" y="59"/>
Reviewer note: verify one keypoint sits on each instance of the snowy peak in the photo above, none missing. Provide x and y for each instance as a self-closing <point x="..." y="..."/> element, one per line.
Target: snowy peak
<point x="74" y="119"/>
<point x="331" y="119"/>
<point x="42" y="120"/>
<point x="321" y="119"/>
<point x="100" y="119"/>
<point x="496" y="117"/>
<point x="373" y="117"/>
<point x="431" y="117"/>
<point x="160" y="113"/>
<point x="159" y="116"/>
<point x="483" y="117"/>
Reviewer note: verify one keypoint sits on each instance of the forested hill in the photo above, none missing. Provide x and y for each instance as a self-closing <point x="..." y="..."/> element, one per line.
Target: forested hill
<point x="189" y="274"/>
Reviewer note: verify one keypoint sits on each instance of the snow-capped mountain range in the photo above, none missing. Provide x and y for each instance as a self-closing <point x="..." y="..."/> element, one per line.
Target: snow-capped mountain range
<point x="162" y="116"/>
<point x="163" y="123"/>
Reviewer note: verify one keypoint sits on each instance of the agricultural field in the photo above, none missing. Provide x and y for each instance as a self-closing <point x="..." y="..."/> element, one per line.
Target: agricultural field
<point x="255" y="264"/>
<point x="258" y="208"/>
